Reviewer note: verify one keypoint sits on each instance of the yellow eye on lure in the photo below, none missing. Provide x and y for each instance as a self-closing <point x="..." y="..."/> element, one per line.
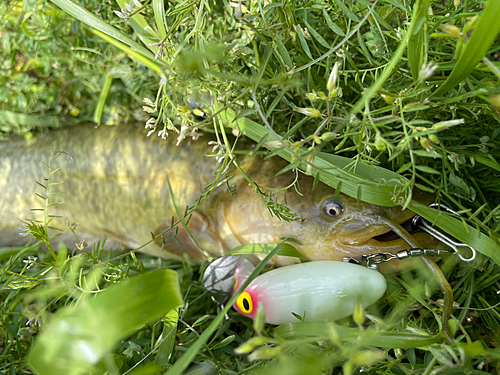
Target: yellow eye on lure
<point x="319" y="291"/>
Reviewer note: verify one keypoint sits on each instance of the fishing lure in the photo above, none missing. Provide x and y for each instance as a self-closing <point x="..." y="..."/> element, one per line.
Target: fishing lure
<point x="317" y="291"/>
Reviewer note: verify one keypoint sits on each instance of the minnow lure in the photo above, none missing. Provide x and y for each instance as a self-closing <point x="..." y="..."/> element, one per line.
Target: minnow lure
<point x="317" y="291"/>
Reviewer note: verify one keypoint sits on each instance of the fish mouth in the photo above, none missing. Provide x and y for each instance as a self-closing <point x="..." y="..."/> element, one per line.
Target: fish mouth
<point x="387" y="235"/>
<point x="392" y="236"/>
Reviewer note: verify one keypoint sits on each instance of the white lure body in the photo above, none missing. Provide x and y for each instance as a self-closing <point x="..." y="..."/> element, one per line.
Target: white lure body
<point x="317" y="291"/>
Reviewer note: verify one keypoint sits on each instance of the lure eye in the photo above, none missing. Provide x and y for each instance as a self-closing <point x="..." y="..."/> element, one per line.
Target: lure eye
<point x="333" y="208"/>
<point x="244" y="303"/>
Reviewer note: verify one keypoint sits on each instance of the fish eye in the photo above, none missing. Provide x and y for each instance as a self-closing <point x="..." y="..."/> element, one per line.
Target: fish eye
<point x="244" y="302"/>
<point x="333" y="208"/>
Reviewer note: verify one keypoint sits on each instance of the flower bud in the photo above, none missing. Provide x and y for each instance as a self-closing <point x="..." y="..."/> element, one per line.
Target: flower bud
<point x="447" y="124"/>
<point x="258" y="322"/>
<point x="265" y="352"/>
<point x="434" y="138"/>
<point x="312" y="96"/>
<point x="451" y="30"/>
<point x="331" y="84"/>
<point x="388" y="99"/>
<point x="367" y="357"/>
<point x="426" y="144"/>
<point x="333" y="334"/>
<point x="359" y="312"/>
<point x="379" y="142"/>
<point x="311" y="112"/>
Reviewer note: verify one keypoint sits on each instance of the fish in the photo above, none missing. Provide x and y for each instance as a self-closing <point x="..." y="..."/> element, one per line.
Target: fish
<point x="121" y="185"/>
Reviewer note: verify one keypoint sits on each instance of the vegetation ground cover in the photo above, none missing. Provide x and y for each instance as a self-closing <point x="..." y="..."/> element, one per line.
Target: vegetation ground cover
<point x="409" y="86"/>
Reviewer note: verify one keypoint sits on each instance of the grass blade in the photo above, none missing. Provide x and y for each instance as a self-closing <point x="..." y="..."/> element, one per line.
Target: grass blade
<point x="102" y="99"/>
<point x="159" y="13"/>
<point x="149" y="62"/>
<point x="93" y="21"/>
<point x="370" y="337"/>
<point x="417" y="45"/>
<point x="265" y="248"/>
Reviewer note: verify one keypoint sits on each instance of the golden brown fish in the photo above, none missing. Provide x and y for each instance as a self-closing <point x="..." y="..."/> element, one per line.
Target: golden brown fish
<point x="116" y="186"/>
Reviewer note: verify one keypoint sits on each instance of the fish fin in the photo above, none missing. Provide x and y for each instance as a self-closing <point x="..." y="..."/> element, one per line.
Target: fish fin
<point x="179" y="242"/>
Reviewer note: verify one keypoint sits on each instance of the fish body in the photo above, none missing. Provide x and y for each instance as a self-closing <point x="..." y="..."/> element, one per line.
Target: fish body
<point x="116" y="185"/>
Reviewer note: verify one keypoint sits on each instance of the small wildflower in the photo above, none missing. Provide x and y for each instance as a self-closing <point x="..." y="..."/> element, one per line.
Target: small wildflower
<point x="277" y="144"/>
<point x="379" y="142"/>
<point x="81" y="245"/>
<point x="148" y="109"/>
<point x="310" y="160"/>
<point x="151" y="132"/>
<point x="163" y="133"/>
<point x="198" y="112"/>
<point x="149" y="102"/>
<point x="388" y="99"/>
<point x="398" y="33"/>
<point x="122" y="14"/>
<point x="30" y="262"/>
<point x="151" y="123"/>
<point x="311" y="112"/>
<point x="328" y="136"/>
<point x="427" y="71"/>
<point x="248" y="346"/>
<point x="182" y="134"/>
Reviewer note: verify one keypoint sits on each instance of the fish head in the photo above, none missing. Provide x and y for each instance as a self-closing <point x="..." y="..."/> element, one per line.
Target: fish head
<point x="328" y="225"/>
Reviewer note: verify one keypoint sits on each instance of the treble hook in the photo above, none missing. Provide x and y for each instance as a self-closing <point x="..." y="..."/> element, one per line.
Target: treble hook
<point x="421" y="224"/>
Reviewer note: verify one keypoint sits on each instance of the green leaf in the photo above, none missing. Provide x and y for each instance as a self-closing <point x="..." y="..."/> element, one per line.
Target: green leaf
<point x="78" y="336"/>
<point x="284" y="53"/>
<point x="337" y="30"/>
<point x="426" y="169"/>
<point x="303" y="42"/>
<point x="368" y="337"/>
<point x="316" y="35"/>
<point x="485" y="32"/>
<point x="347" y="11"/>
<point x="167" y="338"/>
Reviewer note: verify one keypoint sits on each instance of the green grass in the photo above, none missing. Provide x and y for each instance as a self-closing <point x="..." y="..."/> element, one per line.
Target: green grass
<point x="264" y="69"/>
